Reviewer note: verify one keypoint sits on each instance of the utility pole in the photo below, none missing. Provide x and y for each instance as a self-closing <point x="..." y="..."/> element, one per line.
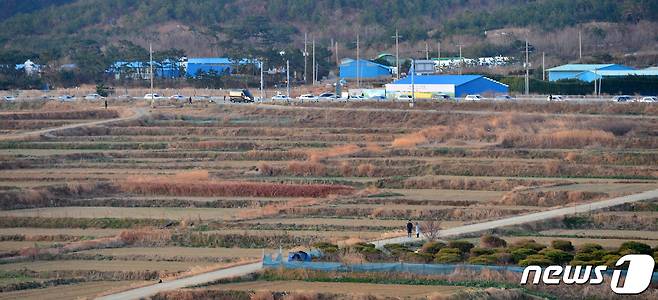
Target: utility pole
<point x="461" y="59"/>
<point x="427" y="51"/>
<point x="397" y="52"/>
<point x="358" y="66"/>
<point x="413" y="85"/>
<point x="262" y="90"/>
<point x="151" y="71"/>
<point x="543" y="66"/>
<point x="527" y="69"/>
<point x="305" y="56"/>
<point x="288" y="76"/>
<point x="337" y="59"/>
<point x="438" y="54"/>
<point x="314" y="70"/>
<point x="580" y="46"/>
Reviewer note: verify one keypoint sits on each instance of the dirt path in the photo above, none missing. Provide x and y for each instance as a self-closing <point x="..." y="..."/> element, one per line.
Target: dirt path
<point x="137" y="113"/>
<point x="530" y="218"/>
<point x="146" y="291"/>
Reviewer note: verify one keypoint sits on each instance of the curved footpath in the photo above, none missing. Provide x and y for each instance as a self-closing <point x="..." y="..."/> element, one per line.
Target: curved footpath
<point x="137" y="113"/>
<point x="516" y="220"/>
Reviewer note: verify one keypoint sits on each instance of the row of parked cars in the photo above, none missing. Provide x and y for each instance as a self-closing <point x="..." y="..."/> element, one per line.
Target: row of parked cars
<point x="627" y="98"/>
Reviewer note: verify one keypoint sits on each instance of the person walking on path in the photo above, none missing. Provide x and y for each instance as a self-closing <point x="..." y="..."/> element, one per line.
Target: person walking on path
<point x="417" y="230"/>
<point x="410" y="227"/>
<point x="190" y="100"/>
<point x="105" y="103"/>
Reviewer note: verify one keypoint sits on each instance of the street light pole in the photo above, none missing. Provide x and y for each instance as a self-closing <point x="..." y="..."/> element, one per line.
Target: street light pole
<point x="397" y="53"/>
<point x="288" y="76"/>
<point x="305" y="56"/>
<point x="358" y="71"/>
<point x="314" y="69"/>
<point x="527" y="69"/>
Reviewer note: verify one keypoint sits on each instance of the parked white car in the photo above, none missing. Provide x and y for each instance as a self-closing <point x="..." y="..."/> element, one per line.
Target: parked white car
<point x="177" y="97"/>
<point x="66" y="98"/>
<point x="650" y="99"/>
<point x="473" y="98"/>
<point x="308" y="97"/>
<point x="357" y="98"/>
<point x="9" y="98"/>
<point x="504" y="97"/>
<point x="280" y="97"/>
<point x="556" y="98"/>
<point x="623" y="98"/>
<point x="403" y="97"/>
<point x="153" y="97"/>
<point x="328" y="96"/>
<point x="92" y="97"/>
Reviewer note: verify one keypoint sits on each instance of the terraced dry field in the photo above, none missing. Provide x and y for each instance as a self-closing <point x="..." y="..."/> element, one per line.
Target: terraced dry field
<point x="187" y="187"/>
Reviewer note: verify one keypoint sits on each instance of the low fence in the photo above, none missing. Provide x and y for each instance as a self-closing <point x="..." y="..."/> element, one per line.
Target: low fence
<point x="420" y="269"/>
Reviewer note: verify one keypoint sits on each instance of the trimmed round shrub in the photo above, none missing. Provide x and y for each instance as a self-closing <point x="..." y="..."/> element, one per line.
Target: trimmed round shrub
<point x="327" y="248"/>
<point x="589" y="247"/>
<point x="492" y="241"/>
<point x="432" y="247"/>
<point x="562" y="245"/>
<point x="463" y="246"/>
<point x="522" y="253"/>
<point x="536" y="259"/>
<point x="632" y="247"/>
<point x="483" y="260"/>
<point x="447" y="258"/>
<point x="504" y="258"/>
<point x="557" y="256"/>
<point x="528" y="244"/>
<point x="482" y="251"/>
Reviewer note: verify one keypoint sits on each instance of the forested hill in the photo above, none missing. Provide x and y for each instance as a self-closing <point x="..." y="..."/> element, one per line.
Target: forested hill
<point x="54" y="29"/>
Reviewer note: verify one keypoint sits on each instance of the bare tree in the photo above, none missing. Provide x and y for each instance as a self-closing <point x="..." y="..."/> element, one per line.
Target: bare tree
<point x="430" y="229"/>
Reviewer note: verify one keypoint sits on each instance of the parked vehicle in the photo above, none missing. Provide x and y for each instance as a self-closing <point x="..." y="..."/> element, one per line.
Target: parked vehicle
<point x="153" y="97"/>
<point x="308" y="97"/>
<point x="403" y="97"/>
<point x="328" y="96"/>
<point x="442" y="97"/>
<point x="556" y="98"/>
<point x="504" y="97"/>
<point x="623" y="98"/>
<point x="9" y="98"/>
<point x="650" y="99"/>
<point x="357" y="98"/>
<point x="473" y="98"/>
<point x="125" y="97"/>
<point x="93" y="97"/>
<point x="177" y="97"/>
<point x="242" y="96"/>
<point x="378" y="98"/>
<point x="66" y="98"/>
<point x="280" y="97"/>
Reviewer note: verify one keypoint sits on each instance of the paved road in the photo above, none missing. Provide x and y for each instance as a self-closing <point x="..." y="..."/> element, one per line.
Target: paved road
<point x="137" y="113"/>
<point x="482" y="112"/>
<point x="150" y="290"/>
<point x="530" y="218"/>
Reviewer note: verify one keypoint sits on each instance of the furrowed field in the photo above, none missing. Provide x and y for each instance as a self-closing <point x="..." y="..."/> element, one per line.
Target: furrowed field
<point x="181" y="190"/>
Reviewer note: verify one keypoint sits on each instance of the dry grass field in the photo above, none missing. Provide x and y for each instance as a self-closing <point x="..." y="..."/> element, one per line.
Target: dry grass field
<point x="186" y="187"/>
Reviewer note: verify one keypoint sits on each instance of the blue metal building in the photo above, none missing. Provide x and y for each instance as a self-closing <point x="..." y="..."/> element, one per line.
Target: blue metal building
<point x="141" y="70"/>
<point x="572" y="71"/>
<point x="367" y="70"/>
<point x="427" y="86"/>
<point x="220" y="65"/>
<point x="590" y="76"/>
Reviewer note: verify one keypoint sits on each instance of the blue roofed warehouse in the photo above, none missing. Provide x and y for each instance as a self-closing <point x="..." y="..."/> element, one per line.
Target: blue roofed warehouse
<point x="427" y="86"/>
<point x="218" y="65"/>
<point x="573" y="71"/>
<point x="367" y="70"/>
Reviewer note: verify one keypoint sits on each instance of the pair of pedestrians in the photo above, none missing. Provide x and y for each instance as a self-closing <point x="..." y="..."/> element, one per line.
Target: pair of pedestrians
<point x="410" y="228"/>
